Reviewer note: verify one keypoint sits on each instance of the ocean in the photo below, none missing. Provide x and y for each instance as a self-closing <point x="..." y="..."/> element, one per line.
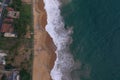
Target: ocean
<point x="87" y="36"/>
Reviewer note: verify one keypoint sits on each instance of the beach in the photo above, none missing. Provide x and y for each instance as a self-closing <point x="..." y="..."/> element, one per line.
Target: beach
<point x="86" y="34"/>
<point x="44" y="48"/>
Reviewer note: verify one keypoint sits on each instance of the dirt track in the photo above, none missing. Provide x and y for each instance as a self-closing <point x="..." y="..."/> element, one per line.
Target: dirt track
<point x="44" y="48"/>
<point x="26" y="1"/>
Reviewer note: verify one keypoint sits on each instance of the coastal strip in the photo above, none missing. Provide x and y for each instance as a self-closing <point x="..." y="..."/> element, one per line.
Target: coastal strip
<point x="44" y="48"/>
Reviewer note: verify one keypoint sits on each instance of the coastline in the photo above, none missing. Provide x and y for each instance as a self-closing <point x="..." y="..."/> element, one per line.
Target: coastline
<point x="44" y="48"/>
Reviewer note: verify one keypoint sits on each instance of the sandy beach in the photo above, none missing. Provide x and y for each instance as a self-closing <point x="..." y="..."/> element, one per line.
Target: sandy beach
<point x="44" y="48"/>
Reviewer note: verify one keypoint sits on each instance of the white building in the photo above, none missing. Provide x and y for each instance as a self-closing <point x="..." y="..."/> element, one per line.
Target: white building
<point x="2" y="58"/>
<point x="10" y="35"/>
<point x="13" y="14"/>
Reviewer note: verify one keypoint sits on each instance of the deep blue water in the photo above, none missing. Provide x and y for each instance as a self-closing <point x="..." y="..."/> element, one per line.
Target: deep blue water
<point x="96" y="37"/>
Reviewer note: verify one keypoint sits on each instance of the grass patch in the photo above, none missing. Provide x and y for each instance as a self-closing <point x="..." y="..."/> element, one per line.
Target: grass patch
<point x="24" y="20"/>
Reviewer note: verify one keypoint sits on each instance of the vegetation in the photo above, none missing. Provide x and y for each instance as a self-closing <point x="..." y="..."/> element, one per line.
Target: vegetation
<point x="7" y="43"/>
<point x="12" y="44"/>
<point x="9" y="67"/>
<point x="4" y="77"/>
<point x="25" y="75"/>
<point x="16" y="4"/>
<point x="20" y="25"/>
<point x="25" y="16"/>
<point x="24" y="20"/>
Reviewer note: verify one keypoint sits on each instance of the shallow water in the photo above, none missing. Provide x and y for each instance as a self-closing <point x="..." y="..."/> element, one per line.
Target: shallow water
<point x="96" y="40"/>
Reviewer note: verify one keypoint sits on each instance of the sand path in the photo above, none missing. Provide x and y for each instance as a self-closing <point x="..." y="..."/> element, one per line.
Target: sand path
<point x="44" y="48"/>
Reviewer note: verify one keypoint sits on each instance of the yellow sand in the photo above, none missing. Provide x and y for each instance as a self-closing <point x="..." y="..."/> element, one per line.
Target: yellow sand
<point x="44" y="48"/>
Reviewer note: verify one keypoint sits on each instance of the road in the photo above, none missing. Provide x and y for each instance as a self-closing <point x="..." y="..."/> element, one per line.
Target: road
<point x="3" y="6"/>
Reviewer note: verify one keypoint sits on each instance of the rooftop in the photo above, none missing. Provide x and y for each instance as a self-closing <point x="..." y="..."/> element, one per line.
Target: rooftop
<point x="7" y="28"/>
<point x="13" y="14"/>
<point x="8" y="20"/>
<point x="9" y="9"/>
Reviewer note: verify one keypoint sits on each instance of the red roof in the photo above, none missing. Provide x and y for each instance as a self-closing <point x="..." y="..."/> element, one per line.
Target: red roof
<point x="0" y="9"/>
<point x="7" y="28"/>
<point x="8" y="20"/>
<point x="9" y="9"/>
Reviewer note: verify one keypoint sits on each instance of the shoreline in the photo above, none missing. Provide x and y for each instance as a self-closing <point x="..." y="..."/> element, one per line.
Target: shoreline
<point x="44" y="48"/>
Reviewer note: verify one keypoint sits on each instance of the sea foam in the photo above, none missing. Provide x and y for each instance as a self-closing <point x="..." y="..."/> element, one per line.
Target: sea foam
<point x="61" y="38"/>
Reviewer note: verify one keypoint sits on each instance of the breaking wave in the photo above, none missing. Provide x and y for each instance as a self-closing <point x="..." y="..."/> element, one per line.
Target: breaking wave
<point x="61" y="38"/>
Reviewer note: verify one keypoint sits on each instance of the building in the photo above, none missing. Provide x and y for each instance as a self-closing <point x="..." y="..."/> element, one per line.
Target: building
<point x="10" y="35"/>
<point x="8" y="20"/>
<point x="7" y="25"/>
<point x="2" y="58"/>
<point x="14" y="76"/>
<point x="9" y="9"/>
<point x="1" y="76"/>
<point x="0" y="9"/>
<point x="13" y="14"/>
<point x="7" y="28"/>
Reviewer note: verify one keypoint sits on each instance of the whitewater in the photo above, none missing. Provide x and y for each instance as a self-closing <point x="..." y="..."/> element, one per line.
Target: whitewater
<point x="62" y="39"/>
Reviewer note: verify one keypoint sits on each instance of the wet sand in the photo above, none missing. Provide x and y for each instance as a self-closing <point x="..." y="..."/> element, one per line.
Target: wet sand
<point x="44" y="48"/>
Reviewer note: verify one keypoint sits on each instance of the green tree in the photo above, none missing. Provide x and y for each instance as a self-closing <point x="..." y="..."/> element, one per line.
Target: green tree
<point x="24" y="75"/>
<point x="4" y="77"/>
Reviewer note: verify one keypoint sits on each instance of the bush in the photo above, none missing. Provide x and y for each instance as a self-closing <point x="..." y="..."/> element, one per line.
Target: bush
<point x="4" y="77"/>
<point x="24" y="75"/>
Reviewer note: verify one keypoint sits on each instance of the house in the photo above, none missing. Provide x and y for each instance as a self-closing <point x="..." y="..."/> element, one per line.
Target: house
<point x="8" y="20"/>
<point x="10" y="35"/>
<point x="13" y="14"/>
<point x="9" y="9"/>
<point x="7" y="1"/>
<point x="0" y="9"/>
<point x="2" y="58"/>
<point x="1" y="76"/>
<point x="14" y="76"/>
<point x="18" y="77"/>
<point x="1" y="68"/>
<point x="7" y="28"/>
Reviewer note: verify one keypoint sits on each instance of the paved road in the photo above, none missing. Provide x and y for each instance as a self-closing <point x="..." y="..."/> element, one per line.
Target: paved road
<point x="3" y="6"/>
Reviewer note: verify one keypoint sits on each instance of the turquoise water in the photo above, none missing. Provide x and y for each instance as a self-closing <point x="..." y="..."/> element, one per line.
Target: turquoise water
<point x="96" y="37"/>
